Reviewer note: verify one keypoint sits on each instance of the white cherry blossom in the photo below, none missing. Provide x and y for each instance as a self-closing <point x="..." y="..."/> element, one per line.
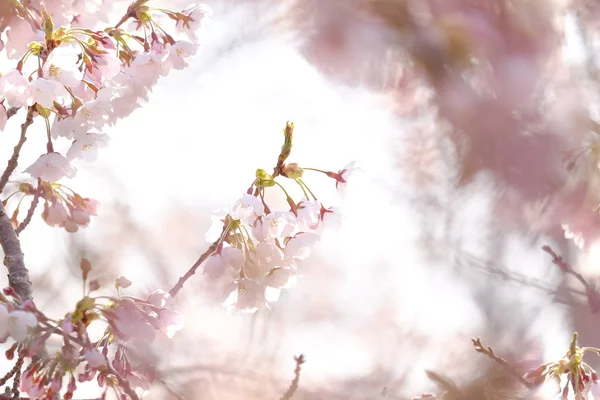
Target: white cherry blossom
<point x="299" y="247"/>
<point x="276" y="225"/>
<point x="60" y="66"/>
<point x="230" y="258"/>
<point x="248" y="208"/>
<point x="16" y="323"/>
<point x="245" y="296"/>
<point x="308" y="214"/>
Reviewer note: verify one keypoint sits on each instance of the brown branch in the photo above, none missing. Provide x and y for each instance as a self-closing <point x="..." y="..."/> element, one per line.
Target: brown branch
<point x="294" y="385"/>
<point x="18" y="275"/>
<point x="11" y="112"/>
<point x="32" y="207"/>
<point x="13" y="162"/>
<point x="213" y="247"/>
<point x="565" y="267"/>
<point x="490" y="353"/>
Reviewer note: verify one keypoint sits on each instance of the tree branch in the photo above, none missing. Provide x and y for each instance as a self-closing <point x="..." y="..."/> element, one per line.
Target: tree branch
<point x="13" y="162"/>
<point x="18" y="275"/>
<point x="294" y="385"/>
<point x="34" y="203"/>
<point x="490" y="353"/>
<point x="213" y="247"/>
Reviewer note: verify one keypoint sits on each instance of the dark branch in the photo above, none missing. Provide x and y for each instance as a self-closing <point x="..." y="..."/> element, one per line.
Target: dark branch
<point x="18" y="275"/>
<point x="13" y="162"/>
<point x="294" y="385"/>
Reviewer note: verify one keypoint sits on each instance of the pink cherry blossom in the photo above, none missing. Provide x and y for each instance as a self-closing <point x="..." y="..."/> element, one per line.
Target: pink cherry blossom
<point x="196" y="14"/>
<point x="94" y="358"/>
<point x="19" y="35"/>
<point x="45" y="92"/>
<point x="146" y="68"/>
<point x="123" y="282"/>
<point x="159" y="298"/>
<point x="344" y="174"/>
<point x="55" y="214"/>
<point x="129" y="323"/>
<point x="14" y="87"/>
<point x="179" y="53"/>
<point x="51" y="167"/>
<point x="86" y="148"/>
<point x="170" y="322"/>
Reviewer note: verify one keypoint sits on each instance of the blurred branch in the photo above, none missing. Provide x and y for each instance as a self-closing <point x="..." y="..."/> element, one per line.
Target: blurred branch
<point x="294" y="385"/>
<point x="590" y="290"/>
<point x="490" y="353"/>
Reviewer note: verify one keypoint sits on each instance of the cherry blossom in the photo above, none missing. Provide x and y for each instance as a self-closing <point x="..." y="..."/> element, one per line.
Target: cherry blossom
<point x="51" y="167"/>
<point x="179" y="53"/>
<point x="195" y="15"/>
<point x="229" y="258"/>
<point x="344" y="174"/>
<point x="14" y="87"/>
<point x="94" y="358"/>
<point x="123" y="282"/>
<point x="15" y="323"/>
<point x="245" y="296"/>
<point x="60" y="67"/>
<point x="248" y="208"/>
<point x="276" y="225"/>
<point x="299" y="247"/>
<point x="308" y="214"/>
<point x="170" y="322"/>
<point x="86" y="147"/>
<point x="45" y="92"/>
<point x="55" y="214"/>
<point x="19" y="35"/>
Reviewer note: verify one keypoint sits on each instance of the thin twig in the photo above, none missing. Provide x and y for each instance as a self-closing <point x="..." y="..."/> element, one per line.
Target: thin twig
<point x="213" y="247"/>
<point x="294" y="385"/>
<point x="13" y="162"/>
<point x="32" y="207"/>
<point x="565" y="267"/>
<point x="490" y="353"/>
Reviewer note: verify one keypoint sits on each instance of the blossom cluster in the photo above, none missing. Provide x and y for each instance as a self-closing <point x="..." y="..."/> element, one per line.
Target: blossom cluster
<point x="112" y="360"/>
<point x="79" y="81"/>
<point x="259" y="249"/>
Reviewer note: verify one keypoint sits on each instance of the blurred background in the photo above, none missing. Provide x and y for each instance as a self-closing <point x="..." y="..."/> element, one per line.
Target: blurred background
<point x="475" y="124"/>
